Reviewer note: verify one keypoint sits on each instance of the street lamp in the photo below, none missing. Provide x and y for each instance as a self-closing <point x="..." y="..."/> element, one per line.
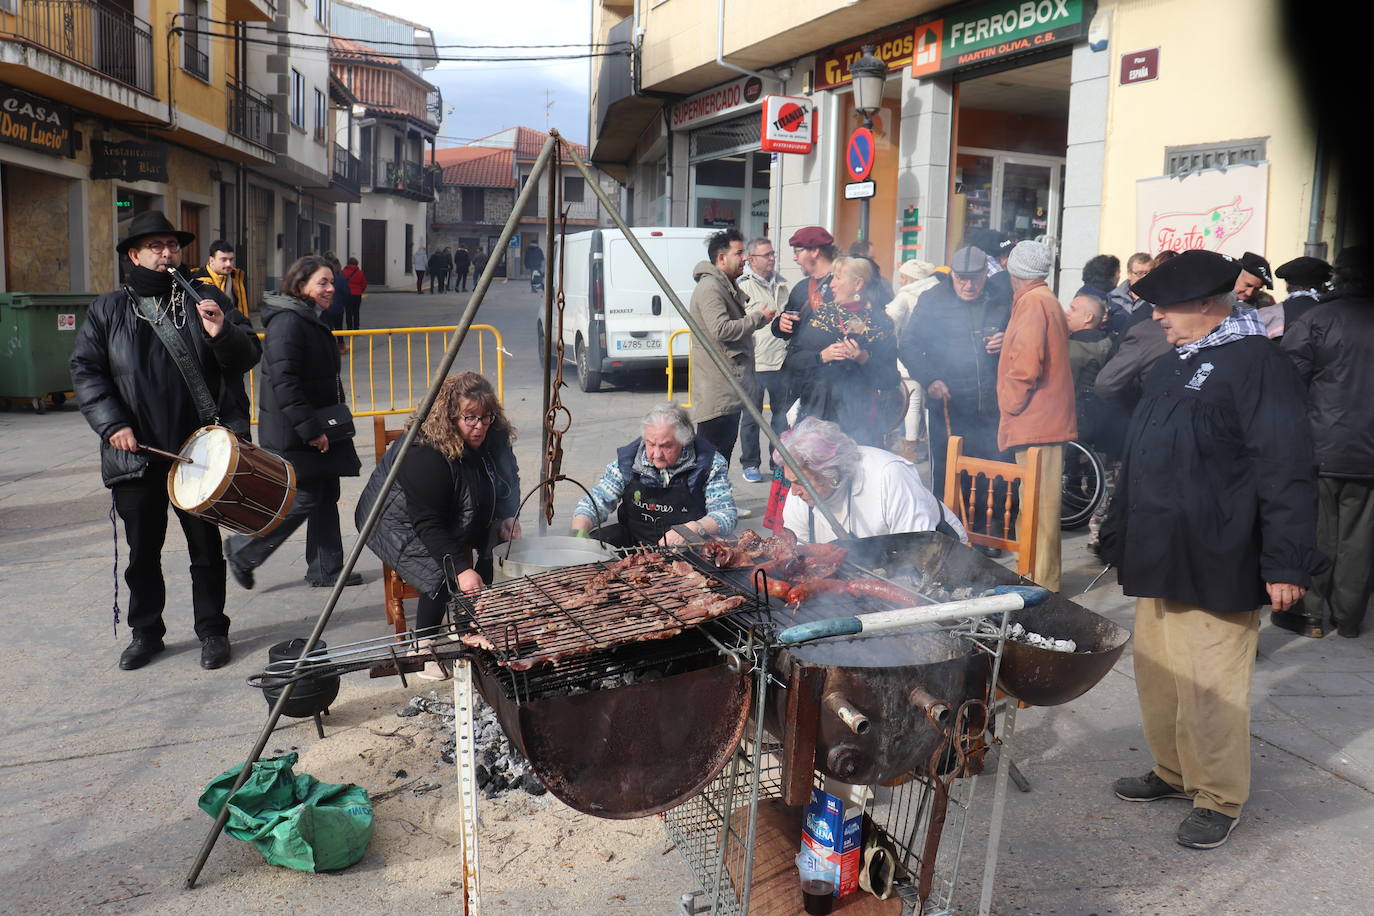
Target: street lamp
<point x="869" y="73"/>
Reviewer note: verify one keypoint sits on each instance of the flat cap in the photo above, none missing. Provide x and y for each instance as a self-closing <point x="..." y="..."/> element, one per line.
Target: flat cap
<point x="1254" y="264"/>
<point x="811" y="237"/>
<point x="969" y="260"/>
<point x="1304" y="271"/>
<point x="1194" y="274"/>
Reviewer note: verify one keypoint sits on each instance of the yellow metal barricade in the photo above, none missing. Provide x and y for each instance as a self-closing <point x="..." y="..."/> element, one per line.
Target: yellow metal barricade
<point x="687" y="403"/>
<point x="388" y="370"/>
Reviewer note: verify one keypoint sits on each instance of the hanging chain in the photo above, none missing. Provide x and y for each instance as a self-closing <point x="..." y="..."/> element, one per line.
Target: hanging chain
<point x="558" y="419"/>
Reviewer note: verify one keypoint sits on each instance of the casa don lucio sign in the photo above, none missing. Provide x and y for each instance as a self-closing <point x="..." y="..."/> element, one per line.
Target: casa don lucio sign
<point x="33" y="122"/>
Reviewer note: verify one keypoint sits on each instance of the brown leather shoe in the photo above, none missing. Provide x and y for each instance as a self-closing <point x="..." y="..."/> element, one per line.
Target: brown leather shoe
<point x="1301" y="624"/>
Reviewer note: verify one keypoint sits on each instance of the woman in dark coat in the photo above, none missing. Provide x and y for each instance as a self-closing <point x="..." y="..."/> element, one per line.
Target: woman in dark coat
<point x="842" y="357"/>
<point x="458" y="492"/>
<point x="300" y="375"/>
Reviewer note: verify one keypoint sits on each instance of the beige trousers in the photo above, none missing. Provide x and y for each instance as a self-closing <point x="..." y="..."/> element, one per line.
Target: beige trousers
<point x="1192" y="673"/>
<point x="1048" y="567"/>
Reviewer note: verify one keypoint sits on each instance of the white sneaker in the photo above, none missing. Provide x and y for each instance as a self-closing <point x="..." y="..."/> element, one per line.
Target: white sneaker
<point x="743" y="512"/>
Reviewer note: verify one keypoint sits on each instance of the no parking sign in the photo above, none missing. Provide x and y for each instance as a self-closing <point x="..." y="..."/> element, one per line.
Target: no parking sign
<point x="789" y="124"/>
<point x="858" y="153"/>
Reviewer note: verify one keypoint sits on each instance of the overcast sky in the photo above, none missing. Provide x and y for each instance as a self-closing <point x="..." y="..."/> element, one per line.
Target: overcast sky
<point x="480" y="99"/>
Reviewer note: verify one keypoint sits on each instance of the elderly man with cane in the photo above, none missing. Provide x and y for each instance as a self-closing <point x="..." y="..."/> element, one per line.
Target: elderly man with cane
<point x="1214" y="515"/>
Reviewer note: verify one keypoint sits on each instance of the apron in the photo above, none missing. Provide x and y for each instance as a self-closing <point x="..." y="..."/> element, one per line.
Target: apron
<point x="647" y="511"/>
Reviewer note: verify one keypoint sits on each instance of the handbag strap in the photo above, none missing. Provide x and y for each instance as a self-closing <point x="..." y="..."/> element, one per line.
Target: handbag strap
<point x="186" y="362"/>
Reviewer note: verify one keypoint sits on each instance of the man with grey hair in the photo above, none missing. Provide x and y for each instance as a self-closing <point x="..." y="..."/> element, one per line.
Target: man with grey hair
<point x="870" y="491"/>
<point x="763" y="288"/>
<point x="1035" y="393"/>
<point x="1214" y="515"/>
<point x="665" y="487"/>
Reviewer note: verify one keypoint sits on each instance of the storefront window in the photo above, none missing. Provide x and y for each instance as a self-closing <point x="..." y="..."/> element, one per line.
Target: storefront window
<point x="730" y="178"/>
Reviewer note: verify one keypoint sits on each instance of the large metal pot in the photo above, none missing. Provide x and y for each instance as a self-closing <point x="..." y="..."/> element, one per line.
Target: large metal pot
<point x="528" y="556"/>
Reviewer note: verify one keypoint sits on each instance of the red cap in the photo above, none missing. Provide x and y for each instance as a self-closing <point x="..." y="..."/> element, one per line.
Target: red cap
<point x="811" y="237"/>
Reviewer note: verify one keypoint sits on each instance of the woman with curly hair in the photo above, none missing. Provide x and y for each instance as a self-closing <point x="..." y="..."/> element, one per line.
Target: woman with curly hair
<point x="457" y="493"/>
<point x="842" y="357"/>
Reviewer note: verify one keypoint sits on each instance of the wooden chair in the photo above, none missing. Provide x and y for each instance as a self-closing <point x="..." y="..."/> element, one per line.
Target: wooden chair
<point x="394" y="588"/>
<point x="961" y="471"/>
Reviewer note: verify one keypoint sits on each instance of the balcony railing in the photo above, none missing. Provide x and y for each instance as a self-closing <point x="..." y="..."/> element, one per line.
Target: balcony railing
<point x="194" y="60"/>
<point x="345" y="172"/>
<point x="250" y="115"/>
<point x="109" y="41"/>
<point x="409" y="178"/>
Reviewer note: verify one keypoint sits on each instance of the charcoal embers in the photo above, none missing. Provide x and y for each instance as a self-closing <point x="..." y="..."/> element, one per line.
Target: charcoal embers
<point x="500" y="767"/>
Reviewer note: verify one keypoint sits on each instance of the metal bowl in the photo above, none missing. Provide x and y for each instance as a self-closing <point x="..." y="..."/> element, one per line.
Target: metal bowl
<point x="1043" y="677"/>
<point x="532" y="555"/>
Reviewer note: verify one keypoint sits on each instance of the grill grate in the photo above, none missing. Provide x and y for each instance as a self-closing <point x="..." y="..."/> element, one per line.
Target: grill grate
<point x="579" y="625"/>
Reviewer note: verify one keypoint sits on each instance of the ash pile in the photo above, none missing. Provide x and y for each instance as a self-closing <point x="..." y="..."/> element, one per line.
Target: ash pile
<point x="500" y="767"/>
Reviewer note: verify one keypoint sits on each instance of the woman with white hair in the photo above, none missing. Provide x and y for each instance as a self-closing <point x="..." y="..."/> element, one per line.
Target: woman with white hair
<point x="665" y="486"/>
<point x="918" y="276"/>
<point x="869" y="491"/>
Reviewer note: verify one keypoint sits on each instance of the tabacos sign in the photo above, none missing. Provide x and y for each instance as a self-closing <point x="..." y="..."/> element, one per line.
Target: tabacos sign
<point x="989" y="31"/>
<point x="893" y="47"/>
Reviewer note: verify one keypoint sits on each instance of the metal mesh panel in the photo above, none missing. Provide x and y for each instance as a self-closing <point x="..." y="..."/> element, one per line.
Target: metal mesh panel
<point x="738" y="135"/>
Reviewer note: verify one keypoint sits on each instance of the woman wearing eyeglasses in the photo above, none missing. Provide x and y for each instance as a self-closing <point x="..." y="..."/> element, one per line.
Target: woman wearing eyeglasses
<point x="457" y="493"/>
<point x="300" y="376"/>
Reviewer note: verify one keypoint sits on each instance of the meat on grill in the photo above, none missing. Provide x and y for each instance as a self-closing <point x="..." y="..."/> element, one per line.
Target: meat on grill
<point x="557" y="616"/>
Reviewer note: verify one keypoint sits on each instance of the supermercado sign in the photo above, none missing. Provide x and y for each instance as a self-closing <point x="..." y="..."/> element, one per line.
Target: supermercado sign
<point x="727" y="99"/>
<point x="990" y="31"/>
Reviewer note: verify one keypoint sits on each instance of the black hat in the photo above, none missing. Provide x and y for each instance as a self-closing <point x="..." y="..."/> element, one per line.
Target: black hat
<point x="1304" y="271"/>
<point x="997" y="244"/>
<point x="152" y="222"/>
<point x="1252" y="263"/>
<point x="1194" y="274"/>
<point x="969" y="260"/>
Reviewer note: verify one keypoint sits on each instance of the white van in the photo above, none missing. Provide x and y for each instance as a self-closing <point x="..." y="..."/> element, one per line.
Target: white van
<point x="615" y="316"/>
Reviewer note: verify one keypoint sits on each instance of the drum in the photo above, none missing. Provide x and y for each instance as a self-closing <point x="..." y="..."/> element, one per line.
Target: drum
<point x="233" y="483"/>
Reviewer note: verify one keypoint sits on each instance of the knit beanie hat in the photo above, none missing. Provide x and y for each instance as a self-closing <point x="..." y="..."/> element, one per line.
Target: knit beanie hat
<point x="1030" y="260"/>
<point x="916" y="269"/>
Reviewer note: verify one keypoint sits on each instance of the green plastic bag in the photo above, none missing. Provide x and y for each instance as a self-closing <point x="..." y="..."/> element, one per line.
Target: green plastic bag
<point x="294" y="819"/>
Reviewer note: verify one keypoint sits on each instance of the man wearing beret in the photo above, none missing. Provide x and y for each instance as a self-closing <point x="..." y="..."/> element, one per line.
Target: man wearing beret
<point x="149" y="367"/>
<point x="1308" y="280"/>
<point x="1214" y="515"/>
<point x="1332" y="346"/>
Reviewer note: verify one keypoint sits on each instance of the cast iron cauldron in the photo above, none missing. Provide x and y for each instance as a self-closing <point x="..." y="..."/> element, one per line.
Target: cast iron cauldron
<point x="312" y="695"/>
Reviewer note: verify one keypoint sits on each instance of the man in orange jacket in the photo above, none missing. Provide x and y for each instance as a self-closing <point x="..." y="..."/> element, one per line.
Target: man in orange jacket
<point x="1035" y="392"/>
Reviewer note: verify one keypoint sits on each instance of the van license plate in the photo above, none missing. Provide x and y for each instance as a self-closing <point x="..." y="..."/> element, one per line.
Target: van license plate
<point x="637" y="343"/>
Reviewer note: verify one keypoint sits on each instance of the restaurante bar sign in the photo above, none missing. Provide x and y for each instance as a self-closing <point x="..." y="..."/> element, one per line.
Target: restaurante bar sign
<point x="128" y="160"/>
<point x="34" y="122"/>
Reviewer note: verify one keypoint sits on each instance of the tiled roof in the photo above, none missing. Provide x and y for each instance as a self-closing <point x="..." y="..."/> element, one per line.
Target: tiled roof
<point x="527" y="142"/>
<point x="348" y="49"/>
<point x="477" y="167"/>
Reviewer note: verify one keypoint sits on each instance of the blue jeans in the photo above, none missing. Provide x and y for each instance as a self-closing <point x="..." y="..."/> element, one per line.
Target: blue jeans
<point x="775" y="384"/>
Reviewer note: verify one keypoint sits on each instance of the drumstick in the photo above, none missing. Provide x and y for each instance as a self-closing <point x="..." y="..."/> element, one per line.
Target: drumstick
<point x="158" y="451"/>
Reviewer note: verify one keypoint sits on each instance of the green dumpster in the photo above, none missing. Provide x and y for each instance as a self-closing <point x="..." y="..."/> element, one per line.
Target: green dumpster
<point x="37" y="332"/>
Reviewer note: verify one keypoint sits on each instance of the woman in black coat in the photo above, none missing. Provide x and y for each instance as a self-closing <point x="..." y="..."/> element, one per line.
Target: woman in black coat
<point x="457" y="492"/>
<point x="300" y="375"/>
<point x="842" y="357"/>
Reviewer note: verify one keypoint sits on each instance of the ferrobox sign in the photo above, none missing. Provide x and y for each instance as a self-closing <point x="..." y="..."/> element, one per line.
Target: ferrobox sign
<point x="789" y="124"/>
<point x="990" y="31"/>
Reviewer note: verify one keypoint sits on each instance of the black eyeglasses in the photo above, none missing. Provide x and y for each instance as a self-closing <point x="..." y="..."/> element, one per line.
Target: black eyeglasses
<point x="485" y="419"/>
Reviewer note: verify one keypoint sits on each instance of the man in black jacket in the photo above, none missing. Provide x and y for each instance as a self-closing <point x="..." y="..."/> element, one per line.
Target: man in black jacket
<point x="133" y="394"/>
<point x="1214" y="515"/>
<point x="1332" y="346"/>
<point x="462" y="261"/>
<point x="951" y="347"/>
